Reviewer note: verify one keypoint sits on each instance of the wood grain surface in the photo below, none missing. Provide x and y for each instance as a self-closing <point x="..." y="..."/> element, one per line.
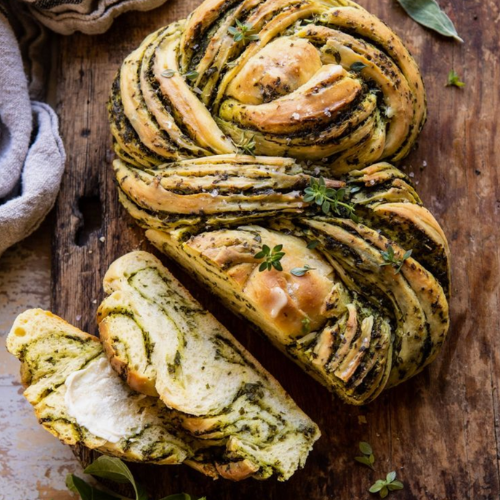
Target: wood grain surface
<point x="439" y="431"/>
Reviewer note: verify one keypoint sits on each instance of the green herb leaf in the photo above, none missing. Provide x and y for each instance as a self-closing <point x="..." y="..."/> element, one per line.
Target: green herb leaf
<point x="242" y="32"/>
<point x="168" y="73"/>
<point x="358" y="66"/>
<point x="114" y="469"/>
<point x="330" y="200"/>
<point x="312" y="244"/>
<point x="86" y="492"/>
<point x="300" y="271"/>
<point x="454" y="80"/>
<point x="247" y="145"/>
<point x="191" y="75"/>
<point x="271" y="258"/>
<point x="429" y="14"/>
<point x="390" y="259"/>
<point x="306" y="326"/>
<point x="365" y="448"/>
<point x="368" y="461"/>
<point x="395" y="485"/>
<point x="384" y="486"/>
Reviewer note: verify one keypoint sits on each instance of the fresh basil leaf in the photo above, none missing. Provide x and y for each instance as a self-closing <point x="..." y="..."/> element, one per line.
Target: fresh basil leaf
<point x="312" y="244"/>
<point x="86" y="492"/>
<point x="429" y="14"/>
<point x="114" y="469"/>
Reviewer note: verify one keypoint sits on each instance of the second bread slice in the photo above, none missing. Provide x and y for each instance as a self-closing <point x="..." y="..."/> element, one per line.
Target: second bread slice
<point x="163" y="343"/>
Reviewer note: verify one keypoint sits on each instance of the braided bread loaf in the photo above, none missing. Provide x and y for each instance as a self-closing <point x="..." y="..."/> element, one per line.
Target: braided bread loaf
<point x="260" y="123"/>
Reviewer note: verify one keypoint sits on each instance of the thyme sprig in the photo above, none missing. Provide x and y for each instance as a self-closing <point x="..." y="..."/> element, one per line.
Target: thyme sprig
<point x="391" y="259"/>
<point x="247" y="145"/>
<point x="454" y="80"/>
<point x="368" y="457"/>
<point x="384" y="486"/>
<point x="271" y="258"/>
<point x="242" y="32"/>
<point x="329" y="199"/>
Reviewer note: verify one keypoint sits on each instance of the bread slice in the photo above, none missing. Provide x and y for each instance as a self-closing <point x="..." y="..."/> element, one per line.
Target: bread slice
<point x="162" y="342"/>
<point x="66" y="374"/>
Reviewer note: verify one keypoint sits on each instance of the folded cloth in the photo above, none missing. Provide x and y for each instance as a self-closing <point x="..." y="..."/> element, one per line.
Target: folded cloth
<point x="31" y="152"/>
<point x="88" y="16"/>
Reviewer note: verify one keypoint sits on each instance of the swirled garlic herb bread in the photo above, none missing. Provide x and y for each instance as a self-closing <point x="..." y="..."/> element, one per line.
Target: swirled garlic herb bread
<point x="356" y="320"/>
<point x="79" y="399"/>
<point x="162" y="342"/>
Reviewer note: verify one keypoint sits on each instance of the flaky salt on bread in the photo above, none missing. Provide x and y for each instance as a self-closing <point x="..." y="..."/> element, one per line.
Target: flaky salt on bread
<point x="159" y="338"/>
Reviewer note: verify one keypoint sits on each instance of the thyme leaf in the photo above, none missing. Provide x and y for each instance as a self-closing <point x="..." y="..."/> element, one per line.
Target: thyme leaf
<point x="247" y="145"/>
<point x="384" y="486"/>
<point x="329" y="199"/>
<point x="271" y="258"/>
<point x="358" y="66"/>
<point x="390" y="259"/>
<point x="368" y="457"/>
<point x="168" y="73"/>
<point x="242" y="32"/>
<point x="306" y="326"/>
<point x="300" y="271"/>
<point x="454" y="80"/>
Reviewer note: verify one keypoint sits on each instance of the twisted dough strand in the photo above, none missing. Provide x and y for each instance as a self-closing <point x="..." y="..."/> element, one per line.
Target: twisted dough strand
<point x="221" y="122"/>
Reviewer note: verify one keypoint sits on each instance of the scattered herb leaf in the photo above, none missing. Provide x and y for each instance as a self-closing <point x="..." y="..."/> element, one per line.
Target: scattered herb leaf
<point x="114" y="469"/>
<point x="168" y="73"/>
<point x="365" y="448"/>
<point x="329" y="199"/>
<point x="306" y="326"/>
<point x="312" y="244"/>
<point x="300" y="271"/>
<point x="429" y="14"/>
<point x="271" y="258"/>
<point x="247" y="145"/>
<point x="391" y="260"/>
<point x="368" y="458"/>
<point x="358" y="66"/>
<point x="384" y="486"/>
<point x="242" y="32"/>
<point x="86" y="492"/>
<point x="454" y="80"/>
<point x="191" y="75"/>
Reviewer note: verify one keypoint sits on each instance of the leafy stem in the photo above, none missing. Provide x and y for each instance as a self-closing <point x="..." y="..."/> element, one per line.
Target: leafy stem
<point x="271" y="258"/>
<point x="454" y="80"/>
<point x="384" y="486"/>
<point x="242" y="32"/>
<point x="390" y="259"/>
<point x="247" y="145"/>
<point x="329" y="199"/>
<point x="368" y="457"/>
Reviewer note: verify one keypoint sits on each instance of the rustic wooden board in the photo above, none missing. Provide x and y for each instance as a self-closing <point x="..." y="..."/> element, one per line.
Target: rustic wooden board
<point x="440" y="430"/>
